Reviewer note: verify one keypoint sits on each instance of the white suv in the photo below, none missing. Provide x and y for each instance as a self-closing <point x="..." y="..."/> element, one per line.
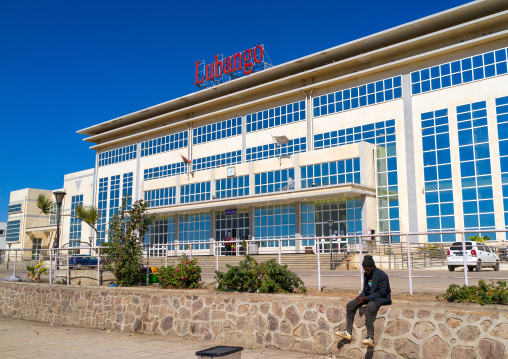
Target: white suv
<point x="478" y="255"/>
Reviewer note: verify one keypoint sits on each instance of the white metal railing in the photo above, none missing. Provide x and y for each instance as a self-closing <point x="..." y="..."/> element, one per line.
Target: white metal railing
<point x="57" y="259"/>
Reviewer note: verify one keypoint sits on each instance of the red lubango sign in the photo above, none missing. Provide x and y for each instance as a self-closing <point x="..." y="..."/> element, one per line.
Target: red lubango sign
<point x="240" y="61"/>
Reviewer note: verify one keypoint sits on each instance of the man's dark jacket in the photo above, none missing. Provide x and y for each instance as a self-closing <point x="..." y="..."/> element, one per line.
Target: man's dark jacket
<point x="380" y="290"/>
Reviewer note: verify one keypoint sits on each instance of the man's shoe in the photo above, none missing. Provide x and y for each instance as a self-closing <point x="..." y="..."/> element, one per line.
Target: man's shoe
<point x="344" y="334"/>
<point x="368" y="342"/>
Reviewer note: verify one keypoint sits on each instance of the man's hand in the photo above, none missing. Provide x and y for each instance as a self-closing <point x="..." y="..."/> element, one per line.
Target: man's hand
<point x="362" y="299"/>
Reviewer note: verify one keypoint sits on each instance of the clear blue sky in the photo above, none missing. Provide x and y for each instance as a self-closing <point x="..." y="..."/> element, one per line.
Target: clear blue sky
<point x="67" y="65"/>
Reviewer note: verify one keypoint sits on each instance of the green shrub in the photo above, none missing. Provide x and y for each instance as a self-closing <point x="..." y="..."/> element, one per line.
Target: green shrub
<point x="481" y="239"/>
<point x="35" y="271"/>
<point x="267" y="277"/>
<point x="482" y="293"/>
<point x="186" y="274"/>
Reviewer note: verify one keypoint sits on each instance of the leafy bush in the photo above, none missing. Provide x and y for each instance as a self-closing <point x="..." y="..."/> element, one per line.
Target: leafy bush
<point x="186" y="274"/>
<point x="477" y="238"/>
<point x="267" y="277"/>
<point x="34" y="272"/>
<point x="482" y="293"/>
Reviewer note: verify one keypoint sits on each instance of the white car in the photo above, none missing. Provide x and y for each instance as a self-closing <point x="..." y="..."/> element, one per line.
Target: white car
<point x="478" y="255"/>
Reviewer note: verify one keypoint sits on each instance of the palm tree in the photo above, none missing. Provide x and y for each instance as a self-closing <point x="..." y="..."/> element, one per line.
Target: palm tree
<point x="90" y="215"/>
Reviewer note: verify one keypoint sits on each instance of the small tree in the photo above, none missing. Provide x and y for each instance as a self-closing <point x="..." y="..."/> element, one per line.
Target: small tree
<point x="127" y="230"/>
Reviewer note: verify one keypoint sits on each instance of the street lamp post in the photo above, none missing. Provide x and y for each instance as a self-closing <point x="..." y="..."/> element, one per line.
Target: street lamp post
<point x="59" y="196"/>
<point x="330" y="226"/>
<point x="9" y="254"/>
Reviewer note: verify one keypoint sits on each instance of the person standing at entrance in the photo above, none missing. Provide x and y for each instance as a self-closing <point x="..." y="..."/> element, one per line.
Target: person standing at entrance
<point x="228" y="244"/>
<point x="376" y="292"/>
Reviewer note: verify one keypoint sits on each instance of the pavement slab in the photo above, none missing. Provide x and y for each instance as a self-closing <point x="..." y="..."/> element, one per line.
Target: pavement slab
<point x="28" y="340"/>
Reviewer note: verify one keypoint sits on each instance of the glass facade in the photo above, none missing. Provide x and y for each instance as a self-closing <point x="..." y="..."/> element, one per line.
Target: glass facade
<point x="220" y="160"/>
<point x="232" y="187"/>
<point x="195" y="192"/>
<point x="127" y="188"/>
<point x="331" y="173"/>
<point x="276" y="116"/>
<point x="161" y="197"/>
<point x="454" y="73"/>
<point x="75" y="223"/>
<point x="114" y="196"/>
<point x="475" y="169"/>
<point x="274" y="181"/>
<point x="194" y="228"/>
<point x="217" y="131"/>
<point x="382" y="134"/>
<point x="271" y="150"/>
<point x="237" y="224"/>
<point x="164" y="171"/>
<point x="102" y="206"/>
<point x="121" y="154"/>
<point x="437" y="171"/>
<point x="346" y="214"/>
<point x="275" y="222"/>
<point x="360" y="96"/>
<point x="502" y="133"/>
<point x="164" y="143"/>
<point x="13" y="231"/>
<point x="162" y="231"/>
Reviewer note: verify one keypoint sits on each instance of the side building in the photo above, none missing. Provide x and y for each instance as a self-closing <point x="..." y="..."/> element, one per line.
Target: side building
<point x="28" y="228"/>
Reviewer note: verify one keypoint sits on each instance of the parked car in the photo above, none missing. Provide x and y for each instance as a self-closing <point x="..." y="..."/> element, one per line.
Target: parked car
<point x="81" y="260"/>
<point x="478" y="255"/>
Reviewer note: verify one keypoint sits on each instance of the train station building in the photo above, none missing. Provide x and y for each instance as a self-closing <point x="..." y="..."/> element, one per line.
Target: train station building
<point x="405" y="130"/>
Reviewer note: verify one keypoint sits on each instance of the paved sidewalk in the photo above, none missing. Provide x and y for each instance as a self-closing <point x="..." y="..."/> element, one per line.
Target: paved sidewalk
<point x="24" y="339"/>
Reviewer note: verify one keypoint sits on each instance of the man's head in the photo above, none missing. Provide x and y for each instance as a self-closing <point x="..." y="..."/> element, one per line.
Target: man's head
<point x="368" y="265"/>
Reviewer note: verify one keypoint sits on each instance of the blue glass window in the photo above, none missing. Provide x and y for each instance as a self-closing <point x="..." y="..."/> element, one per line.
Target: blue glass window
<point x="331" y="173"/>
<point x="232" y="187"/>
<point x="195" y="192"/>
<point x="217" y="131"/>
<point x="466" y="70"/>
<point x="220" y="160"/>
<point x="75" y="223"/>
<point x="275" y="181"/>
<point x="275" y="222"/>
<point x="14" y="208"/>
<point x="194" y="228"/>
<point x="276" y="116"/>
<point x="160" y="197"/>
<point x="502" y="133"/>
<point x="164" y="171"/>
<point x="271" y="150"/>
<point x="164" y="143"/>
<point x="102" y="208"/>
<point x="369" y="94"/>
<point x="121" y="154"/>
<point x="13" y="231"/>
<point x="475" y="169"/>
<point x="161" y="231"/>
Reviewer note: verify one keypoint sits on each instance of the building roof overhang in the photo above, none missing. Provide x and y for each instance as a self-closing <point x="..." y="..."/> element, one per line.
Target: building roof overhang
<point x="292" y="196"/>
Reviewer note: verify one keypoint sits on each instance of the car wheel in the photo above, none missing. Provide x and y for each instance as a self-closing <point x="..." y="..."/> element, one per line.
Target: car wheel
<point x="478" y="266"/>
<point x="470" y="268"/>
<point x="451" y="268"/>
<point x="78" y="266"/>
<point x="496" y="266"/>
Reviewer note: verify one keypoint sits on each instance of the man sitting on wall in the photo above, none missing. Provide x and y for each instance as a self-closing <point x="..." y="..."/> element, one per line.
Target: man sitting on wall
<point x="376" y="292"/>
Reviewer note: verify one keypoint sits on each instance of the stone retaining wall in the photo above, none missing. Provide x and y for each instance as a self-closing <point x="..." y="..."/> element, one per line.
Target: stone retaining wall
<point x="302" y="323"/>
